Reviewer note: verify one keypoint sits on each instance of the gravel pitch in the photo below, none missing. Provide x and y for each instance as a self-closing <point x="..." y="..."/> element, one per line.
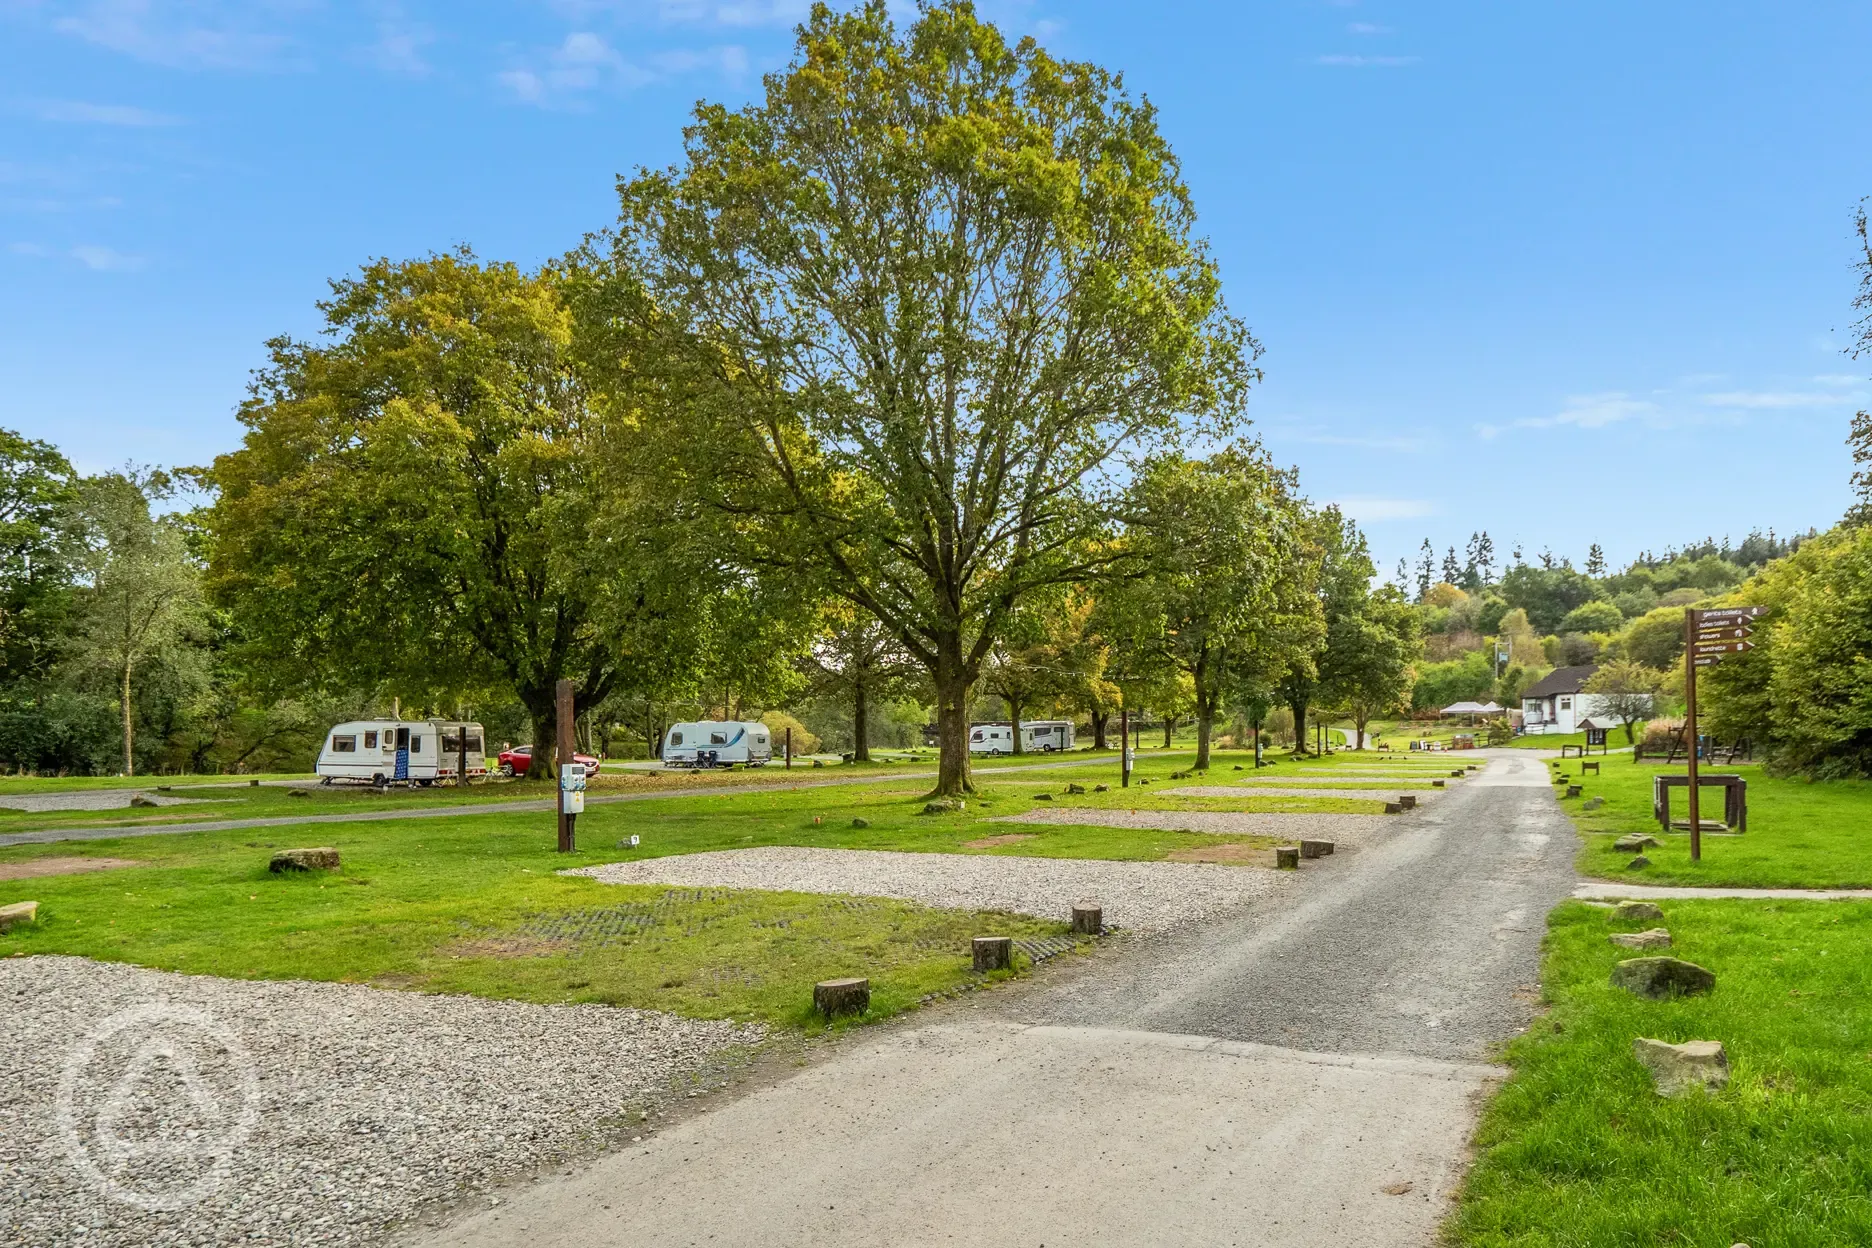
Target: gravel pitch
<point x="1343" y="829"/>
<point x="1140" y="896"/>
<point x="1265" y="790"/>
<point x="96" y="799"/>
<point x="370" y="1104"/>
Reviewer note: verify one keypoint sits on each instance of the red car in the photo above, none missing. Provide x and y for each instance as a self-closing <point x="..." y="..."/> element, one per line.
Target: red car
<point x="519" y="760"/>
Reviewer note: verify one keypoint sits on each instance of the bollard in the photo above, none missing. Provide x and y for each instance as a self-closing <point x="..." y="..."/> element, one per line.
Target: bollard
<point x="1393" y="808"/>
<point x="1287" y="857"/>
<point x="994" y="953"/>
<point x="1088" y="919"/>
<point x="841" y="996"/>
<point x="1315" y="849"/>
<point x="1407" y="800"/>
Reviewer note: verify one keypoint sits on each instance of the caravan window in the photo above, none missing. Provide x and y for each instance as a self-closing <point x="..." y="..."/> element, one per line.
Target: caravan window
<point x="474" y="743"/>
<point x="976" y="735"/>
<point x="452" y="743"/>
<point x="1043" y="732"/>
<point x="415" y="745"/>
<point x="760" y="738"/>
<point x="344" y="745"/>
<point x="718" y="738"/>
<point x="370" y="739"/>
<point x="675" y="738"/>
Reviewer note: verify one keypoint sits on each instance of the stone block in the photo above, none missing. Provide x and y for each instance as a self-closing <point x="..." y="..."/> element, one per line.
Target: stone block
<point x="323" y="858"/>
<point x="1657" y="979"/>
<point x="1635" y="842"/>
<point x="18" y="913"/>
<point x="1677" y="1068"/>
<point x="1638" y="863"/>
<point x="1636" y="912"/>
<point x="859" y="821"/>
<point x="945" y="806"/>
<point x="1654" y="938"/>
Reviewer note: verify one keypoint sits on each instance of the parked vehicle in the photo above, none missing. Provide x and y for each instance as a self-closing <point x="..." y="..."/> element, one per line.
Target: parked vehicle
<point x="1040" y="736"/>
<point x="390" y="751"/>
<point x="718" y="743"/>
<point x="518" y="761"/>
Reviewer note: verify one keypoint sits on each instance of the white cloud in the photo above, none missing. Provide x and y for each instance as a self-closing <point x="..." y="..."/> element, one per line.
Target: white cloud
<point x="1374" y="510"/>
<point x="1584" y="411"/>
<point x="1772" y="399"/>
<point x="399" y="46"/>
<point x="1369" y="28"/>
<point x="1838" y="379"/>
<point x="79" y="112"/>
<point x="587" y="62"/>
<point x="1358" y="62"/>
<point x="106" y="260"/>
<point x="181" y="34"/>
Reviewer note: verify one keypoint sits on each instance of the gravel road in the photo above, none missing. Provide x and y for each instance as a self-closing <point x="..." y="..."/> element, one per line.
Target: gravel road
<point x="1271" y="790"/>
<point x="1341" y="829"/>
<point x="369" y="1104"/>
<point x="1138" y="896"/>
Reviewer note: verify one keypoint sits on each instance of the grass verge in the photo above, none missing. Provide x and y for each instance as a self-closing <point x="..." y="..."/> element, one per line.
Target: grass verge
<point x="1578" y="1151"/>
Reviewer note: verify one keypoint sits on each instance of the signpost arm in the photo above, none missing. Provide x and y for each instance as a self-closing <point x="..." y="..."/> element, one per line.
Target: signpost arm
<point x="1691" y="615"/>
<point x="567" y="742"/>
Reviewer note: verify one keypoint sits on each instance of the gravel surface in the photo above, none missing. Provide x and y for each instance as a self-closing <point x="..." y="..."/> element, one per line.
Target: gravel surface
<point x="1342" y="829"/>
<point x="96" y="799"/>
<point x="365" y="1104"/>
<point x="1428" y="943"/>
<point x="1140" y="896"/>
<point x="1267" y="790"/>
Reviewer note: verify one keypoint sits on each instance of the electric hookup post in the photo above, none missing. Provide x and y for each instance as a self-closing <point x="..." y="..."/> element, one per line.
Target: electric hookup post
<point x="571" y="772"/>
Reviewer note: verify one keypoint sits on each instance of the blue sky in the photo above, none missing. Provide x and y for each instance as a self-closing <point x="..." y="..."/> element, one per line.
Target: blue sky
<point x="1569" y="273"/>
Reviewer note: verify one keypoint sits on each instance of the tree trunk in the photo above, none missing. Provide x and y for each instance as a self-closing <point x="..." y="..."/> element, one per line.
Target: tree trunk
<point x="128" y="725"/>
<point x="1169" y="731"/>
<point x="952" y="726"/>
<point x="545" y="738"/>
<point x="861" y="722"/>
<point x="1014" y="712"/>
<point x="1299" y="710"/>
<point x="1358" y="725"/>
<point x="1099" y="719"/>
<point x="1205" y="713"/>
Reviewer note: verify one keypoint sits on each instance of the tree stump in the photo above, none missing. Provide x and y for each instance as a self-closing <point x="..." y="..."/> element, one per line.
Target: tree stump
<point x="324" y="858"/>
<point x="994" y="953"/>
<point x="1439" y="784"/>
<point x="1574" y="790"/>
<point x="1315" y="849"/>
<point x="1407" y="800"/>
<point x="832" y="997"/>
<point x="1457" y="774"/>
<point x="1287" y="857"/>
<point x="1393" y="808"/>
<point x="17" y="913"/>
<point x="1088" y="919"/>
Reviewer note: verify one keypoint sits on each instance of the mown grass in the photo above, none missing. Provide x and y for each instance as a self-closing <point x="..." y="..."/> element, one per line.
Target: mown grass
<point x="1802" y="834"/>
<point x="473" y="903"/>
<point x="1578" y="1151"/>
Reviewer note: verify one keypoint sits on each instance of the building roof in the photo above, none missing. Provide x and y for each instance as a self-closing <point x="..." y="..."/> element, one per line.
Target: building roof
<point x="1560" y="680"/>
<point x="1470" y="708"/>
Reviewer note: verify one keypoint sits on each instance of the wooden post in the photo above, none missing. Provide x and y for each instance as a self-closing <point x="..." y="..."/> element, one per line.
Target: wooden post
<point x="789" y="747"/>
<point x="562" y="716"/>
<point x="994" y="953"/>
<point x="1691" y="615"/>
<point x="1088" y="919"/>
<point x="1287" y="857"/>
<point x="841" y="996"/>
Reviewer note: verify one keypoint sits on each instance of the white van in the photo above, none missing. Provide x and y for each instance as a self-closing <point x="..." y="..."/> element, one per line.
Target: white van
<point x="390" y="751"/>
<point x="718" y="743"/>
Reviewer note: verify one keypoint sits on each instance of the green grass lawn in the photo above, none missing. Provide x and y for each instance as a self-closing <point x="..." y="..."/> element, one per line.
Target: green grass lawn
<point x="1578" y="1151"/>
<point x="1802" y="834"/>
<point x="473" y="904"/>
<point x="1554" y="740"/>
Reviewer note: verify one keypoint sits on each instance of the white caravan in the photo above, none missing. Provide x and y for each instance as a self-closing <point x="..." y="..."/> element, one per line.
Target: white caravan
<point x="991" y="738"/>
<point x="718" y="743"/>
<point x="391" y="751"/>
<point x="1040" y="736"/>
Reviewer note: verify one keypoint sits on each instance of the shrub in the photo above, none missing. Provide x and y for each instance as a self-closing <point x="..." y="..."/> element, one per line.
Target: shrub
<point x="1593" y="617"/>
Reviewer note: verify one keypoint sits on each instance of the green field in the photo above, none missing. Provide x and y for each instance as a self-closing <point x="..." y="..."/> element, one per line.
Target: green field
<point x="472" y="903"/>
<point x="1802" y="834"/>
<point x="1578" y="1151"/>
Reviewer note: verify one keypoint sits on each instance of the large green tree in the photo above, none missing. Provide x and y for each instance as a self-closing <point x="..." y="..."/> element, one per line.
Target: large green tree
<point x="1341" y="587"/>
<point x="420" y="502"/>
<point x="1216" y="536"/>
<point x="919" y="300"/>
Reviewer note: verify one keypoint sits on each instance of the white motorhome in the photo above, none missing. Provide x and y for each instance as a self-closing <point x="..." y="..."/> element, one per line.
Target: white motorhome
<point x="718" y="743"/>
<point x="1040" y="736"/>
<point x="392" y="751"/>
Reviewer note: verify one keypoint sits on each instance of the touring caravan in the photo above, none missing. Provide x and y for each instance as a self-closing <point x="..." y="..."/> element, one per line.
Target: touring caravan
<point x="391" y="751"/>
<point x="991" y="739"/>
<point x="1040" y="736"/>
<point x="718" y="743"/>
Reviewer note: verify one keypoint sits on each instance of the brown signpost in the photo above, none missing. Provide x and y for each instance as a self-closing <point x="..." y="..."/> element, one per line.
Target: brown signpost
<point x="1709" y="636"/>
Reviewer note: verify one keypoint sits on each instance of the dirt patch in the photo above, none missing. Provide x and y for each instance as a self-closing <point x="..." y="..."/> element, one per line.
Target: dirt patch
<point x="33" y="868"/>
<point x="506" y="947"/>
<point x="989" y="842"/>
<point x="1233" y="854"/>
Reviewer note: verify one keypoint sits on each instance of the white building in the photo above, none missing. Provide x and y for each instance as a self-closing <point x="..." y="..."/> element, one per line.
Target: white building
<point x="1554" y="704"/>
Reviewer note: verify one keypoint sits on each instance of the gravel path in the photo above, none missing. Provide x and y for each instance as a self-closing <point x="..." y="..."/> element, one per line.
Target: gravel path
<point x="1140" y="896"/>
<point x="370" y="1103"/>
<point x="95" y="799"/>
<point x="1218" y="790"/>
<point x="1342" y="829"/>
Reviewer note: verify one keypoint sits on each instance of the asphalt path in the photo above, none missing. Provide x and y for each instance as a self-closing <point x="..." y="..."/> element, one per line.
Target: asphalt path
<point x="1304" y="1074"/>
<point x="109" y="832"/>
